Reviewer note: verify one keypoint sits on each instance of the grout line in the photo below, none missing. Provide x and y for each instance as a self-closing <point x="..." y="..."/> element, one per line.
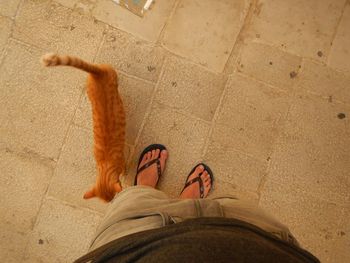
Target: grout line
<point x="136" y="77"/>
<point x="335" y="32"/>
<point x="148" y="112"/>
<point x="167" y="21"/>
<point x="66" y="203"/>
<point x="215" y="117"/>
<point x="188" y="60"/>
<point x="240" y="36"/>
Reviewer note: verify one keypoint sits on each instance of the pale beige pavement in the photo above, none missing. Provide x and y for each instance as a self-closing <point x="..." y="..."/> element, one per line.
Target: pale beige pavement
<point x="259" y="90"/>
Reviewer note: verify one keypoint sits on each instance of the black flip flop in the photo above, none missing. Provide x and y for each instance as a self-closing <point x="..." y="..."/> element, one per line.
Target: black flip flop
<point x="146" y="150"/>
<point x="199" y="179"/>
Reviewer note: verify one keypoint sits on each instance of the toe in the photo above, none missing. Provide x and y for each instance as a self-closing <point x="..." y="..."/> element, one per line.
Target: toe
<point x="199" y="170"/>
<point x="149" y="156"/>
<point x="163" y="157"/>
<point x="153" y="155"/>
<point x="157" y="153"/>
<point x="143" y="161"/>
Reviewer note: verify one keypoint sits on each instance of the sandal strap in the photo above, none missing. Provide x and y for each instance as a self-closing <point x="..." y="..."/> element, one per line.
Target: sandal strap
<point x="194" y="180"/>
<point x="159" y="170"/>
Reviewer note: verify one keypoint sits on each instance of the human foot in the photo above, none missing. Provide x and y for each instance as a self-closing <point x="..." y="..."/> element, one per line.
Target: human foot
<point x="198" y="183"/>
<point x="151" y="165"/>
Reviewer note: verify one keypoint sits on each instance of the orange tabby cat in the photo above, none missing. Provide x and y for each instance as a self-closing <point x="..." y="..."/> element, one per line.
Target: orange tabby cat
<point x="108" y="123"/>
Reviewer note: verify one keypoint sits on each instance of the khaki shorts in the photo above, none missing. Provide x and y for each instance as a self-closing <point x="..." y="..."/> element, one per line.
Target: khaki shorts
<point x="140" y="208"/>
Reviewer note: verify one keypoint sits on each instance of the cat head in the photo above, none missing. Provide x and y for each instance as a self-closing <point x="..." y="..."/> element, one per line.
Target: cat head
<point x="106" y="187"/>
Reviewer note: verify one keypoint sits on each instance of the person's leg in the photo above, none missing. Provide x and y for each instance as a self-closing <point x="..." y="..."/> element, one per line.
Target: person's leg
<point x="249" y="212"/>
<point x="132" y="210"/>
<point x="233" y="207"/>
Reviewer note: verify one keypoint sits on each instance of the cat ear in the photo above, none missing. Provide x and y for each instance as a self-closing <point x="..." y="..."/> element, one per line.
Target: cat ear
<point x="90" y="194"/>
<point x="117" y="187"/>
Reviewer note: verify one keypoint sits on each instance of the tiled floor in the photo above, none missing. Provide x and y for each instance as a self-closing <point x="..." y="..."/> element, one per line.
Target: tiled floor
<point x="258" y="89"/>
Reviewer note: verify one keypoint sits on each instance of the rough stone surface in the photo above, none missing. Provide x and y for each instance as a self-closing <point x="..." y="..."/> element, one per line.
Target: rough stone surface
<point x="258" y="90"/>
<point x="314" y="222"/>
<point x="25" y="180"/>
<point x="37" y="103"/>
<point x="52" y="239"/>
<point x="206" y="39"/>
<point x="12" y="244"/>
<point x="324" y="81"/>
<point x="270" y="65"/>
<point x="5" y="31"/>
<point x="250" y="117"/>
<point x="131" y="55"/>
<point x="9" y="8"/>
<point x="317" y="140"/>
<point x="298" y="26"/>
<point x="339" y="57"/>
<point x="54" y="28"/>
<point x="242" y="171"/>
<point x="339" y="252"/>
<point x="190" y="88"/>
<point x="76" y="171"/>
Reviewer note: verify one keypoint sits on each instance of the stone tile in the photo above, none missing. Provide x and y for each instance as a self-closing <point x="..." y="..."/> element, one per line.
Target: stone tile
<point x="62" y="233"/>
<point x="314" y="222"/>
<point x="131" y="55"/>
<point x="339" y="57"/>
<point x="184" y="138"/>
<point x="68" y="3"/>
<point x="38" y="103"/>
<point x="207" y="39"/>
<point x="340" y="251"/>
<point x="298" y="27"/>
<point x="12" y="245"/>
<point x="250" y="117"/>
<point x="9" y="8"/>
<point x="190" y="88"/>
<point x="313" y="151"/>
<point x="23" y="183"/>
<point x="53" y="27"/>
<point x="238" y="169"/>
<point x="148" y="27"/>
<point x="269" y="64"/>
<point x="76" y="171"/>
<point x="5" y="31"/>
<point x="136" y="95"/>
<point x="324" y="81"/>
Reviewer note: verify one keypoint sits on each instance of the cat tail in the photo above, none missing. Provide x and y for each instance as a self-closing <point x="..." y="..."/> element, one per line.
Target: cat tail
<point x="51" y="59"/>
